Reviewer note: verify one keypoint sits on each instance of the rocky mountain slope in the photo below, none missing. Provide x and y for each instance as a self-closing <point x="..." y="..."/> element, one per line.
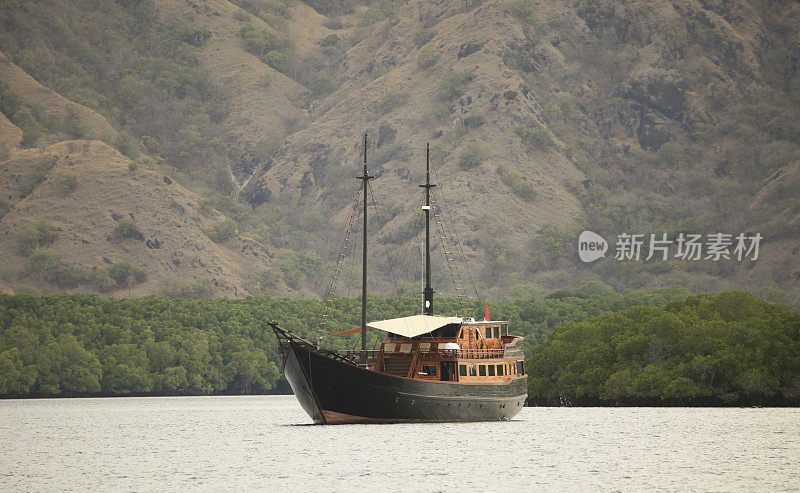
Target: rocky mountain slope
<point x="544" y="118"/>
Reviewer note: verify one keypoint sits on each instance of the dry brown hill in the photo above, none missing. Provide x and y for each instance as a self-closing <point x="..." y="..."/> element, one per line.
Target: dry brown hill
<point x="167" y="245"/>
<point x="544" y="118"/>
<point x="265" y="104"/>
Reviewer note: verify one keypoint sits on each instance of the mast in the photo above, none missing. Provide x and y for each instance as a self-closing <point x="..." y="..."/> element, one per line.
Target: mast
<point x="365" y="179"/>
<point x="427" y="294"/>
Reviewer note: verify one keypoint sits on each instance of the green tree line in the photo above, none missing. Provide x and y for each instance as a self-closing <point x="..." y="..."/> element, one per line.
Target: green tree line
<point x="725" y="349"/>
<point x="53" y="345"/>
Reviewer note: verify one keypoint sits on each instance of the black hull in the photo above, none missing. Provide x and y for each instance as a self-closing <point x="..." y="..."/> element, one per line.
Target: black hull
<point x="334" y="391"/>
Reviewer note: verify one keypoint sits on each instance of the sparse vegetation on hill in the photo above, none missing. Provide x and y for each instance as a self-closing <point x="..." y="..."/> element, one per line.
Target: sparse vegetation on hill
<point x="139" y="70"/>
<point x="648" y="117"/>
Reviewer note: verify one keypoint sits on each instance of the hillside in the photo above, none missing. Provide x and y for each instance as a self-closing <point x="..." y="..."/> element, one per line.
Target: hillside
<point x="544" y="118"/>
<point x="83" y="218"/>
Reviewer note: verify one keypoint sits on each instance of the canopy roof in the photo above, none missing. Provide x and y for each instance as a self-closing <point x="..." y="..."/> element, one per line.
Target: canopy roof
<point x="414" y="325"/>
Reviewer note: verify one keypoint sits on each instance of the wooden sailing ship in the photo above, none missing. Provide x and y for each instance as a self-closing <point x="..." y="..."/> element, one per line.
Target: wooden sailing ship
<point x="429" y="368"/>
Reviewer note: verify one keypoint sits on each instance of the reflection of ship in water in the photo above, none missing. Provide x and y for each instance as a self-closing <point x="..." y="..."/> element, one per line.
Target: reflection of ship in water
<point x="429" y="368"/>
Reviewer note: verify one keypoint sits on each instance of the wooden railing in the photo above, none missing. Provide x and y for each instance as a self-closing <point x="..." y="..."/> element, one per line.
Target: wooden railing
<point x="355" y="355"/>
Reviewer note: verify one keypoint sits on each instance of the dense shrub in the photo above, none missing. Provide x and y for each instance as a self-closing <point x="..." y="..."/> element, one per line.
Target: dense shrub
<point x="471" y="156"/>
<point x="427" y="58"/>
<point x="535" y="137"/>
<point x="277" y="60"/>
<point x="41" y="260"/>
<point x="474" y="119"/>
<point x="551" y="112"/>
<point x="269" y="47"/>
<point x="39" y="234"/>
<point x="65" y="181"/>
<point x="517" y="183"/>
<point x="330" y="40"/>
<point x="222" y="231"/>
<point x="125" y="274"/>
<point x="262" y="42"/>
<point x="454" y="85"/>
<point x="126" y="228"/>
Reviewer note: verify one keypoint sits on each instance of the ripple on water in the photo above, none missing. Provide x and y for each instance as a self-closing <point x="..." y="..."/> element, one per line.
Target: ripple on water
<point x="247" y="443"/>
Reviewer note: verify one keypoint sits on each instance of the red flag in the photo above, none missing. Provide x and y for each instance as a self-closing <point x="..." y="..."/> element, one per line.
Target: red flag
<point x="486" y="316"/>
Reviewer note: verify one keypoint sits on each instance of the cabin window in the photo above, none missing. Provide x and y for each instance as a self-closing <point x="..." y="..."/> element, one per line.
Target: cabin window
<point x="462" y="370"/>
<point x="488" y="332"/>
<point x="429" y="370"/>
<point x="497" y="332"/>
<point x="520" y="368"/>
<point x="461" y="334"/>
<point x="505" y="330"/>
<point x="499" y="370"/>
<point x="473" y="372"/>
<point x="491" y="370"/>
<point x="482" y="370"/>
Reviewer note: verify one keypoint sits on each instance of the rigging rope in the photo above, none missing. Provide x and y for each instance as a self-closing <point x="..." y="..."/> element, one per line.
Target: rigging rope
<point x="458" y="241"/>
<point x="384" y="230"/>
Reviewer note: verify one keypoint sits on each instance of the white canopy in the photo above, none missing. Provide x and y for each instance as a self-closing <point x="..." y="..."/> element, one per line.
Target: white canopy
<point x="414" y="325"/>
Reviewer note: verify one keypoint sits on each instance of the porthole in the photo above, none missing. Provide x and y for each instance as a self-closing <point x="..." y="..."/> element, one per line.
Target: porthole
<point x="412" y="402"/>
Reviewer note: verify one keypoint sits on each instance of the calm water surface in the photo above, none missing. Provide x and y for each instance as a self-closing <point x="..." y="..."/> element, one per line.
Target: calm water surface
<point x="248" y="443"/>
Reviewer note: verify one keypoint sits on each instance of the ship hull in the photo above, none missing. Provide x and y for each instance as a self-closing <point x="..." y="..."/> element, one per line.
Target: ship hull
<point x="332" y="391"/>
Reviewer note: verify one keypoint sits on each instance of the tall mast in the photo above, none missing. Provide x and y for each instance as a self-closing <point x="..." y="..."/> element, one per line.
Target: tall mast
<point x="428" y="292"/>
<point x="365" y="178"/>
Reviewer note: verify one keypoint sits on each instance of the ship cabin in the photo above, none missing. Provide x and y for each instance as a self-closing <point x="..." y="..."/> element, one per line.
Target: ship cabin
<point x="450" y="349"/>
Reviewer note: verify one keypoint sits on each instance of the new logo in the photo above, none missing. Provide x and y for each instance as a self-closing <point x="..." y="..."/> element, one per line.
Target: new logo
<point x="591" y="246"/>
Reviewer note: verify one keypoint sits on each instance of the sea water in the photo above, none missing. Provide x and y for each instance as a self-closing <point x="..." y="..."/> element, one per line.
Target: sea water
<point x="268" y="443"/>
